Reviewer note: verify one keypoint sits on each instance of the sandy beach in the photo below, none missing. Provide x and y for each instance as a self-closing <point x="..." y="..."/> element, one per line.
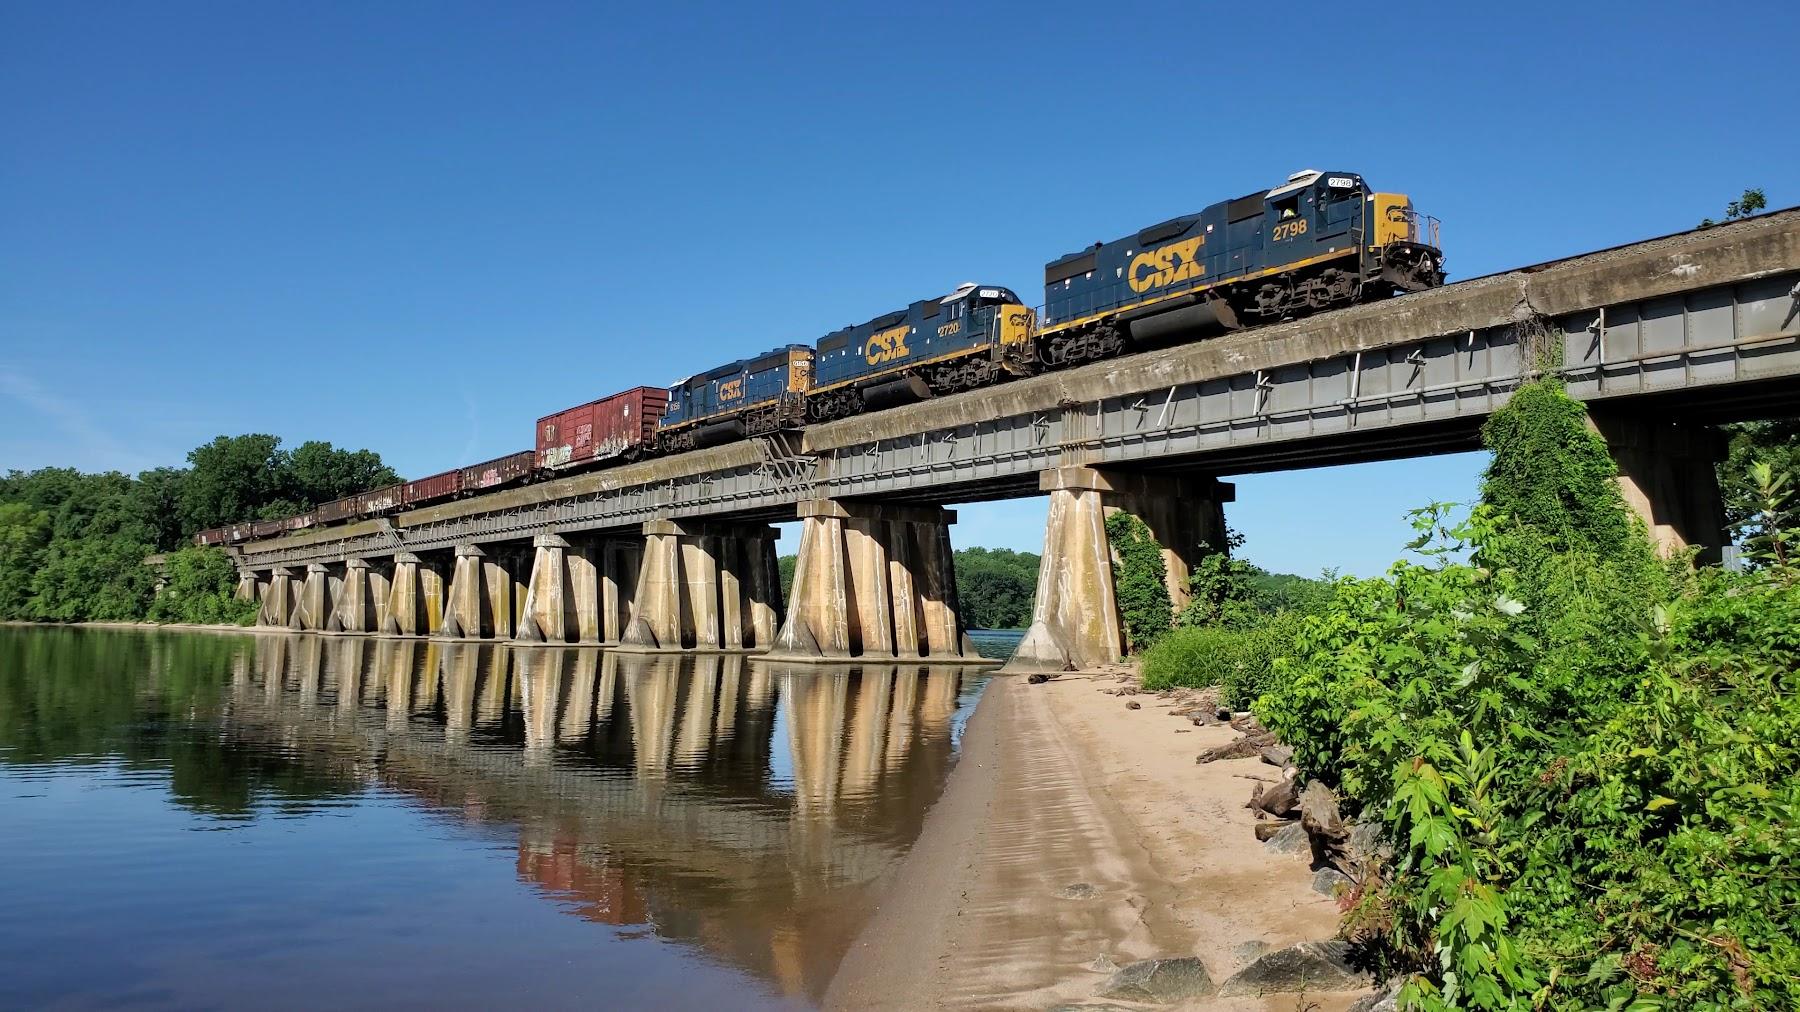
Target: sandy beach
<point x="1077" y="834"/>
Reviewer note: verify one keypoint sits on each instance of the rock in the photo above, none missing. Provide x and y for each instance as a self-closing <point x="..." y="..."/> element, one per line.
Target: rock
<point x="1132" y="704"/>
<point x="1038" y="678"/>
<point x="1268" y="831"/>
<point x="1385" y="1000"/>
<point x="1078" y="891"/>
<point x="1250" y="950"/>
<point x="1309" y="966"/>
<point x="1104" y="963"/>
<point x="1277" y="799"/>
<point x="1159" y="981"/>
<point x="1327" y="882"/>
<point x="1291" y="838"/>
<point x="1276" y="755"/>
<point x="1319" y="814"/>
<point x="1364" y="848"/>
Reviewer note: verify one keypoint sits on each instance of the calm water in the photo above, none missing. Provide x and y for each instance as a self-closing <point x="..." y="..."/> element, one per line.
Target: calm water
<point x="204" y="821"/>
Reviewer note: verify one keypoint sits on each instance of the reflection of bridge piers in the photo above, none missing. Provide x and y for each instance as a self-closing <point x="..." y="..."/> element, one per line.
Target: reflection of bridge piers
<point x="646" y="788"/>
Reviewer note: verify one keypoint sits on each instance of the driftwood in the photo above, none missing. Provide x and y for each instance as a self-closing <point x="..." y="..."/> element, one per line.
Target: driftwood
<point x="1278" y="799"/>
<point x="1248" y="745"/>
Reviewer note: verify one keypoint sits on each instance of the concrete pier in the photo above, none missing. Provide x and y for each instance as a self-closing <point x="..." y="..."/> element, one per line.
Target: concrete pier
<point x="316" y="601"/>
<point x="278" y="599"/>
<point x="361" y="600"/>
<point x="415" y="599"/>
<point x="486" y="595"/>
<point x="1075" y="616"/>
<point x="701" y="586"/>
<point x="549" y="613"/>
<point x="1668" y="475"/>
<point x="873" y="581"/>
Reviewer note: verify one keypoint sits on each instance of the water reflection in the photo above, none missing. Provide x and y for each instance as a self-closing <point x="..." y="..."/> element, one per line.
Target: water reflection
<point x="743" y="811"/>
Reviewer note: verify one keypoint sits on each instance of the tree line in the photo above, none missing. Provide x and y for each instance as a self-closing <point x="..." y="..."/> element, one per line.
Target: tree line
<point x="73" y="544"/>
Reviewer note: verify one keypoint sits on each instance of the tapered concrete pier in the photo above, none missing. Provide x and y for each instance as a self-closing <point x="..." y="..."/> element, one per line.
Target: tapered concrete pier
<point x="704" y="586"/>
<point x="873" y="581"/>
<point x="1075" y="616"/>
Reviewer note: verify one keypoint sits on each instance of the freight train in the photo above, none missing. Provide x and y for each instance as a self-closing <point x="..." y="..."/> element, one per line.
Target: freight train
<point x="1320" y="241"/>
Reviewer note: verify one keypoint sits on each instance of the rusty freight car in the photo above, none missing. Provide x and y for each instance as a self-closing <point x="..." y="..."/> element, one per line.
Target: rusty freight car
<point x="500" y="472"/>
<point x="379" y="501"/>
<point x="620" y="427"/>
<point x="420" y="491"/>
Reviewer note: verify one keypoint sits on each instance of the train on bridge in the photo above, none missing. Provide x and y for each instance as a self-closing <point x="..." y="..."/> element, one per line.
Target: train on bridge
<point x="1319" y="241"/>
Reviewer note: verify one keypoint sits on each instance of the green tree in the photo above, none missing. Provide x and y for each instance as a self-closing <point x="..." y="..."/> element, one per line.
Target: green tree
<point x="24" y="534"/>
<point x="157" y="499"/>
<point x="786" y="564"/>
<point x="1750" y="203"/>
<point x="316" y="472"/>
<point x="231" y="479"/>
<point x="995" y="587"/>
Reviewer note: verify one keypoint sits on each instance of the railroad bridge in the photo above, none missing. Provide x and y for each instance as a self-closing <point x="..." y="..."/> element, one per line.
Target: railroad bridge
<point x="1661" y="338"/>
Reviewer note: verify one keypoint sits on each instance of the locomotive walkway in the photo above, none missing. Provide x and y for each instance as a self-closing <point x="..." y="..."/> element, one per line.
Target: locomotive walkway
<point x="1659" y="337"/>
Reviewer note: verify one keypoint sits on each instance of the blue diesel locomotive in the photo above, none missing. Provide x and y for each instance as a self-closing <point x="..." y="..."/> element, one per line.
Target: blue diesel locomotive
<point x="935" y="346"/>
<point x="1320" y="241"/>
<point x="748" y="397"/>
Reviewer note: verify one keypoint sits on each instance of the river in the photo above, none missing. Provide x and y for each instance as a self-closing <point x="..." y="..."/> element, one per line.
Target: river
<point x="192" y="820"/>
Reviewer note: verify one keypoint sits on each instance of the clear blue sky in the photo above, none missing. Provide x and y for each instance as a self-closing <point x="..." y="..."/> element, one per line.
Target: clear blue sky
<point x="416" y="227"/>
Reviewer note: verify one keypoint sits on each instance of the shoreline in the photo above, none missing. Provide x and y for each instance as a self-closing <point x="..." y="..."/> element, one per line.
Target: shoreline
<point x="214" y="627"/>
<point x="1076" y="835"/>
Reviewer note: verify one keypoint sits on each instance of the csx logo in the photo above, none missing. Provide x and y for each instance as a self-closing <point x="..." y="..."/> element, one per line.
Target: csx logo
<point x="888" y="345"/>
<point x="732" y="389"/>
<point x="1155" y="268"/>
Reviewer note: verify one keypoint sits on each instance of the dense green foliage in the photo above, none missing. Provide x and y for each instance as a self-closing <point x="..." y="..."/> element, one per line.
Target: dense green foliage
<point x="1138" y="581"/>
<point x="1238" y="620"/>
<point x="72" y="545"/>
<point x="1583" y="757"/>
<point x="1551" y="474"/>
<point x="1238" y="658"/>
<point x="995" y="587"/>
<point x="200" y="588"/>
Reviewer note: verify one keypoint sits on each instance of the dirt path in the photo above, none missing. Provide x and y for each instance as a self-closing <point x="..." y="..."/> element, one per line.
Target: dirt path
<point x="1076" y="831"/>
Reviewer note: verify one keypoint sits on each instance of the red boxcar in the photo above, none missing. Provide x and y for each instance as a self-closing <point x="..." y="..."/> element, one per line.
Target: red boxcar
<point x="606" y="429"/>
<point x="266" y="528"/>
<point x="239" y="532"/>
<point x="513" y="467"/>
<point x="377" y="501"/>
<point x="439" y="486"/>
<point x="335" y="510"/>
<point x="216" y="536"/>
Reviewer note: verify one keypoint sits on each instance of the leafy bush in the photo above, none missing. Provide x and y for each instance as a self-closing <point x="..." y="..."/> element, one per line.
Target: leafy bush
<point x="1584" y="759"/>
<point x="1239" y="659"/>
